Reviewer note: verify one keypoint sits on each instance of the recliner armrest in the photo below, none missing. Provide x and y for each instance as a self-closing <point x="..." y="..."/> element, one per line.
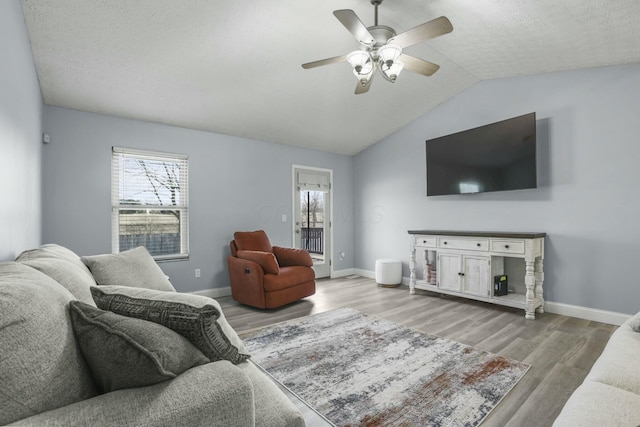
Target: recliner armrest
<point x="289" y="257"/>
<point x="216" y="393"/>
<point x="267" y="260"/>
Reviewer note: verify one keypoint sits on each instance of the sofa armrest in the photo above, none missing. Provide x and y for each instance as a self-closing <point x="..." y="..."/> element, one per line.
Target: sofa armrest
<point x="289" y="257"/>
<point x="214" y="394"/>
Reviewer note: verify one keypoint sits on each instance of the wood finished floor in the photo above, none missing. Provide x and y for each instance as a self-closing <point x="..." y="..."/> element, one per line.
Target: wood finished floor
<point x="560" y="349"/>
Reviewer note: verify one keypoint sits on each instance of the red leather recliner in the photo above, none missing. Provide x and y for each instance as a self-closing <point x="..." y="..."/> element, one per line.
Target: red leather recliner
<point x="266" y="276"/>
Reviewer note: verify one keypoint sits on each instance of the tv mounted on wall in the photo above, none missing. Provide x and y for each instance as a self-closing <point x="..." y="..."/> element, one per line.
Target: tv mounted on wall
<point x="496" y="157"/>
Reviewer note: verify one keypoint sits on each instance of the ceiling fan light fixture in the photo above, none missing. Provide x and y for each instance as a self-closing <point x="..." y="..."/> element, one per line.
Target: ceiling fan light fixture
<point x="391" y="72"/>
<point x="360" y="61"/>
<point x="363" y="79"/>
<point x="389" y="52"/>
<point x="381" y="48"/>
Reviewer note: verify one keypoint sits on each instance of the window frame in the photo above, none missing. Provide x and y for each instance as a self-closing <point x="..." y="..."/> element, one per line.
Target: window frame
<point x="118" y="153"/>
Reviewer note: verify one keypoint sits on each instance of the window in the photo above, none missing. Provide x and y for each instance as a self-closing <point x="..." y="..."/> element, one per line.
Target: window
<point x="150" y="202"/>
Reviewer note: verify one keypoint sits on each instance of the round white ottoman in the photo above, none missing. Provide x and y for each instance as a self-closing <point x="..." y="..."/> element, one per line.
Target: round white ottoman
<point x="388" y="272"/>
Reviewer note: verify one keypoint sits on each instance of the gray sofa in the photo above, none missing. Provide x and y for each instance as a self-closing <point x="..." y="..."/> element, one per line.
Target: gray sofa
<point x="46" y="380"/>
<point x="610" y="394"/>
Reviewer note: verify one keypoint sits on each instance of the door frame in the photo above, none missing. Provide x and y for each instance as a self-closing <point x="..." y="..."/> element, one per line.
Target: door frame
<point x="294" y="189"/>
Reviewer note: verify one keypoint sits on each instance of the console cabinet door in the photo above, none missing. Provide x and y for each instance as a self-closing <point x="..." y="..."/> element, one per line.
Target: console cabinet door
<point x="449" y="268"/>
<point x="477" y="275"/>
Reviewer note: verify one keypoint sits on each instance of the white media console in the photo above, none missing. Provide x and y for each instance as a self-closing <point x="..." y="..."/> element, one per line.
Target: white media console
<point x="464" y="263"/>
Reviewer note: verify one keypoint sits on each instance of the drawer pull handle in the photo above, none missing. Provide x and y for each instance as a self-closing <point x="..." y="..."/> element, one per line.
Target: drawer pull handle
<point x="460" y="274"/>
<point x="424" y="241"/>
<point x="506" y="246"/>
<point x="444" y="243"/>
<point x="478" y="244"/>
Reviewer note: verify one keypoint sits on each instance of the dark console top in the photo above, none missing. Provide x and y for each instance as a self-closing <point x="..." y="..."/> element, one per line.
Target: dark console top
<point x="504" y="234"/>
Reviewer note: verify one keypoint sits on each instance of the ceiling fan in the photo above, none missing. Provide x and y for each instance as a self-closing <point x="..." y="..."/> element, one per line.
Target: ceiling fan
<point x="381" y="48"/>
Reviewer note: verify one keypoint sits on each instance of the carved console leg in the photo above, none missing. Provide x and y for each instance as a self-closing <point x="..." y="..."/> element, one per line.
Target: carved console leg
<point x="539" y="273"/>
<point x="530" y="283"/>
<point x="412" y="271"/>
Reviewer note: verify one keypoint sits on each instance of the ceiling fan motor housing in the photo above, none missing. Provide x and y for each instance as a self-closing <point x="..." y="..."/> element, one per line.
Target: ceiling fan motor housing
<point x="380" y="33"/>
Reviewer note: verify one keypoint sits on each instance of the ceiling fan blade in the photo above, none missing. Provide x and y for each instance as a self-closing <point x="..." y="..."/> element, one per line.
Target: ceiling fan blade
<point x="419" y="66"/>
<point x="426" y="31"/>
<point x="350" y="20"/>
<point x="327" y="61"/>
<point x="363" y="89"/>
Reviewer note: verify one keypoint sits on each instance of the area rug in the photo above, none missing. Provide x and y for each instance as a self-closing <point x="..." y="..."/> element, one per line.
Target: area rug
<point x="359" y="370"/>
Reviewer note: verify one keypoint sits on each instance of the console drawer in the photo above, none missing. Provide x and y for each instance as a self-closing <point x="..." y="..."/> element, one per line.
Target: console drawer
<point x="507" y="246"/>
<point x="466" y="244"/>
<point x="425" y="241"/>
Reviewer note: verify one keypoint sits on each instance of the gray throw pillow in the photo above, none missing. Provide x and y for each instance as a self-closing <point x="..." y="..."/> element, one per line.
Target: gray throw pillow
<point x="124" y="352"/>
<point x="135" y="268"/>
<point x="196" y="317"/>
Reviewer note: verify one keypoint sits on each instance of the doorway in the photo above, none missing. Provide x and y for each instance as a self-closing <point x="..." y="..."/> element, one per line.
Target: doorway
<point x="312" y="215"/>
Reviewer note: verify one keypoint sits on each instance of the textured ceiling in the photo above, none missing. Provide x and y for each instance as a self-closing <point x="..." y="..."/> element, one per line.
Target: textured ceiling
<point x="233" y="66"/>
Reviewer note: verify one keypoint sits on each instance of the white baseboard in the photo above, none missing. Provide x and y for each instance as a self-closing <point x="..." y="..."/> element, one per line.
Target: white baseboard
<point x="214" y="292"/>
<point x="342" y="273"/>
<point x="364" y="273"/>
<point x="593" y="314"/>
<point x="372" y="275"/>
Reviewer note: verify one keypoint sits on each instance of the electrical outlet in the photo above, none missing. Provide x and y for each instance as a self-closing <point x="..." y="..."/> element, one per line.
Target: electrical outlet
<point x="197" y="272"/>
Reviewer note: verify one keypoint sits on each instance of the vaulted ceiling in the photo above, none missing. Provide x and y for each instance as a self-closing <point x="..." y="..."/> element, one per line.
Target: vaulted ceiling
<point x="234" y="66"/>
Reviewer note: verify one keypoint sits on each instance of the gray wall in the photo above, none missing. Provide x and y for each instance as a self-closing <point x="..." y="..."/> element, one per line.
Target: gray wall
<point x="235" y="184"/>
<point x="588" y="125"/>
<point x="20" y="136"/>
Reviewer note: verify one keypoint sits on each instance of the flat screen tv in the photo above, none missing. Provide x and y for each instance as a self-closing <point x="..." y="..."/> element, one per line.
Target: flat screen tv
<point x="496" y="157"/>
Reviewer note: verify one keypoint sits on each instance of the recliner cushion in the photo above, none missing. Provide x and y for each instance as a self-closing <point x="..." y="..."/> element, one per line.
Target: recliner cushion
<point x="288" y="257"/>
<point x="288" y="277"/>
<point x="41" y="366"/>
<point x="266" y="260"/>
<point x="252" y="241"/>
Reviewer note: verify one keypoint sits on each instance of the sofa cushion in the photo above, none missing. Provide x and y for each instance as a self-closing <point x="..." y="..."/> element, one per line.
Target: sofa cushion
<point x="135" y="268"/>
<point x="198" y="318"/>
<point x="62" y="265"/>
<point x="267" y="260"/>
<point x="596" y="404"/>
<point x="252" y="241"/>
<point x="616" y="364"/>
<point x="288" y="277"/>
<point x="272" y="407"/>
<point x="634" y="322"/>
<point x="216" y="394"/>
<point x="41" y="366"/>
<point x="67" y="274"/>
<point x="54" y="251"/>
<point x="125" y="352"/>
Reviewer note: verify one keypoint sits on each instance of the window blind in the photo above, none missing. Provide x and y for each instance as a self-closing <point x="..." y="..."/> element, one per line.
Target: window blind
<point x="150" y="202"/>
<point x="313" y="181"/>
